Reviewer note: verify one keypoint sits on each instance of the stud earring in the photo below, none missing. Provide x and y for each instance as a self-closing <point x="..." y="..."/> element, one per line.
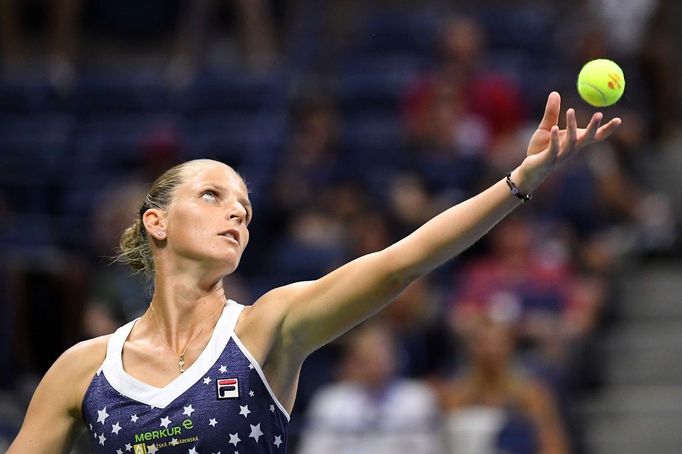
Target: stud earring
<point x="162" y="234"/>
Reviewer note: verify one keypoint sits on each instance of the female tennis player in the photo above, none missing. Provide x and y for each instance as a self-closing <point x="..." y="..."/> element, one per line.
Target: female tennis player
<point x="200" y="373"/>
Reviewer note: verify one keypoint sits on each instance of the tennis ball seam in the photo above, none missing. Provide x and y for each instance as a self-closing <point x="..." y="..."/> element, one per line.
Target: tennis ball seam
<point x="603" y="96"/>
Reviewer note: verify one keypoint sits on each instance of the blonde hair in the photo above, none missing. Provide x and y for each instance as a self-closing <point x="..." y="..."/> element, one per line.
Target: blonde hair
<point x="134" y="246"/>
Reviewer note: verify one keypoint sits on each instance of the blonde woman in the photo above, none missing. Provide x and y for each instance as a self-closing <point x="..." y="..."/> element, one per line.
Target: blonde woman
<point x="200" y="373"/>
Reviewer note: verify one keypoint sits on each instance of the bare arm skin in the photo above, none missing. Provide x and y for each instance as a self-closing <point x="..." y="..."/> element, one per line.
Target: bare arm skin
<point x="290" y="322"/>
<point x="316" y="312"/>
<point x="53" y="419"/>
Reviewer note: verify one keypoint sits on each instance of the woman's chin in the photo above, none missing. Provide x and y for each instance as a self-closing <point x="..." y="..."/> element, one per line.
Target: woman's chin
<point x="228" y="265"/>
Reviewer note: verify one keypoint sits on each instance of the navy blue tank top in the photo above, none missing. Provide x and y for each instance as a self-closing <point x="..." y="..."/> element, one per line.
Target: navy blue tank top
<point x="221" y="404"/>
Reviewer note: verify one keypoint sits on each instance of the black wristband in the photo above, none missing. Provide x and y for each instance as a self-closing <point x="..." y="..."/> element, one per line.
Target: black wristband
<point x="515" y="190"/>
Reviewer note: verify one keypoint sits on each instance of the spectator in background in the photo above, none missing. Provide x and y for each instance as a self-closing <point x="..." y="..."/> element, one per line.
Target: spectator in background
<point x="61" y="38"/>
<point x="494" y="406"/>
<point x="369" y="231"/>
<point x="489" y="100"/>
<point x="307" y="170"/>
<point x="555" y="303"/>
<point x="605" y="208"/>
<point x="538" y="283"/>
<point x="640" y="36"/>
<point x="309" y="162"/>
<point x="449" y="151"/>
<point x="313" y="244"/>
<point x="426" y="347"/>
<point x="115" y="292"/>
<point x="257" y="37"/>
<point x="660" y="68"/>
<point x="409" y="202"/>
<point x="370" y="409"/>
<point x="626" y="201"/>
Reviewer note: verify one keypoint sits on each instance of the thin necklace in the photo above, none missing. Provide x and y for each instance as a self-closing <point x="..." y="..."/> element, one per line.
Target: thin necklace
<point x="181" y="357"/>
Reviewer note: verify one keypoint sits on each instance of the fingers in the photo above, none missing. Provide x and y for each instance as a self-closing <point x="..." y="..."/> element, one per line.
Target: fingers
<point x="552" y="110"/>
<point x="554" y="141"/>
<point x="589" y="133"/>
<point x="570" y="134"/>
<point x="571" y="127"/>
<point x="608" y="129"/>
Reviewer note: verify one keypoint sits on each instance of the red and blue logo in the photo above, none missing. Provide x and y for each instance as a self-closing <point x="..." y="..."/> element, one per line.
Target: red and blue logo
<point x="228" y="388"/>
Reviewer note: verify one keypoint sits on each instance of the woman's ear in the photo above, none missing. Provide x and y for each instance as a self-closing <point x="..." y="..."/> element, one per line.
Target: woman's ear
<point x="155" y="222"/>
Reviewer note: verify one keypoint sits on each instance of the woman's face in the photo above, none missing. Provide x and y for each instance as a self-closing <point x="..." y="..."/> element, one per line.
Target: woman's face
<point x="208" y="218"/>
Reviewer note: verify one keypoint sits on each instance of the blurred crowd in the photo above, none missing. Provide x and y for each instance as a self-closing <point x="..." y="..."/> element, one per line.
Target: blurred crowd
<point x="353" y="123"/>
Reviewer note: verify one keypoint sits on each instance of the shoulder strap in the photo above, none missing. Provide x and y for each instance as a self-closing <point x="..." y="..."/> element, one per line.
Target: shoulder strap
<point x="115" y="343"/>
<point x="234" y="310"/>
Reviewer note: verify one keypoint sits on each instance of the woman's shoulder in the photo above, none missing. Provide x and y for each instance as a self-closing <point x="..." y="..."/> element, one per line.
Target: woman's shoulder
<point x="80" y="362"/>
<point x="88" y="353"/>
<point x="66" y="381"/>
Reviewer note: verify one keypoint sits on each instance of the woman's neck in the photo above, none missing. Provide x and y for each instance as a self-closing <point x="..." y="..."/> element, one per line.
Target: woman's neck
<point x="181" y="307"/>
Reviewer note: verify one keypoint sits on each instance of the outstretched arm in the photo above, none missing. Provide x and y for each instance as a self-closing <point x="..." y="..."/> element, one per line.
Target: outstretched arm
<point x="316" y="312"/>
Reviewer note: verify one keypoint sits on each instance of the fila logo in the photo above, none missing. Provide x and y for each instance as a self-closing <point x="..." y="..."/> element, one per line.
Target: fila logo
<point x="228" y="388"/>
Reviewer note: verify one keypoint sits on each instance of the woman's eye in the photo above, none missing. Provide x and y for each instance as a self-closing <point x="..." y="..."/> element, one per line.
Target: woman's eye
<point x="209" y="195"/>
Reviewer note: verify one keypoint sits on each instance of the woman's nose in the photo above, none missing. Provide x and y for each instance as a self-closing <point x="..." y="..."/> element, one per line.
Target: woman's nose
<point x="237" y="211"/>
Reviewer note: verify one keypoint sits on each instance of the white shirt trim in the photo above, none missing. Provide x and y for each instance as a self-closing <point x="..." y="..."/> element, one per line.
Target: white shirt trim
<point x="140" y="391"/>
<point x="258" y="369"/>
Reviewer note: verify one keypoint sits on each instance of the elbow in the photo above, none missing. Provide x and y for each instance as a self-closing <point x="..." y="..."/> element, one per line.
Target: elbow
<point x="401" y="271"/>
<point x="403" y="278"/>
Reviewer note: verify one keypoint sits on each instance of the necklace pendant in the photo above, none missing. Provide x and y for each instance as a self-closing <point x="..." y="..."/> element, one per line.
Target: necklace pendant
<point x="181" y="363"/>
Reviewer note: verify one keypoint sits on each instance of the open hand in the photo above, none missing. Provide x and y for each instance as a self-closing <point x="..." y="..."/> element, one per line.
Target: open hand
<point x="549" y="147"/>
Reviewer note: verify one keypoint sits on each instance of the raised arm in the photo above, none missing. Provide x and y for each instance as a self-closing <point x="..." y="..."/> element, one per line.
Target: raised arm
<point x="316" y="312"/>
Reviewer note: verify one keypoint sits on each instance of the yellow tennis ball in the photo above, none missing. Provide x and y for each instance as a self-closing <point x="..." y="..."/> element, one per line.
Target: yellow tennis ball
<point x="601" y="82"/>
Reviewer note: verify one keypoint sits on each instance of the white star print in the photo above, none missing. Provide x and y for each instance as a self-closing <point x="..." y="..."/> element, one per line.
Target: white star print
<point x="234" y="439"/>
<point x="90" y="427"/>
<point x="223" y="369"/>
<point x="251" y="393"/>
<point x="244" y="410"/>
<point x="216" y="452"/>
<point x="118" y="451"/>
<point x="212" y="422"/>
<point x="151" y="449"/>
<point x="207" y="380"/>
<point x="278" y="440"/>
<point x="272" y="408"/>
<point x="165" y="421"/>
<point x="188" y="410"/>
<point x="102" y="439"/>
<point x="128" y="447"/>
<point x="192" y="451"/>
<point x="133" y="418"/>
<point x="115" y="428"/>
<point x="102" y="415"/>
<point x="174" y="442"/>
<point x="94" y="435"/>
<point x="250" y="366"/>
<point x="255" y="432"/>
